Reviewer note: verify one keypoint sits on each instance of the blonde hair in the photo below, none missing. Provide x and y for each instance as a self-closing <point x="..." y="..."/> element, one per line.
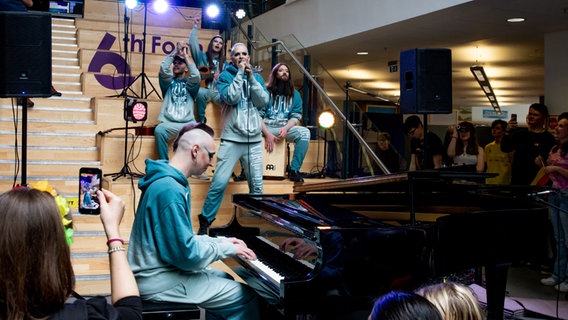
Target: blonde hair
<point x="454" y="301"/>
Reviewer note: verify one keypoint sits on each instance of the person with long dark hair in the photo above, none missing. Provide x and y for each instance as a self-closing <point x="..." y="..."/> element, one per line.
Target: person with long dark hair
<point x="210" y="64"/>
<point x="464" y="149"/>
<point x="281" y="117"/>
<point x="36" y="275"/>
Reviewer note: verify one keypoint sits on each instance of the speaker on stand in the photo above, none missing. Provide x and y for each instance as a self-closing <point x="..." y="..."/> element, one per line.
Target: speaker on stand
<point x="426" y="81"/>
<point x="25" y="61"/>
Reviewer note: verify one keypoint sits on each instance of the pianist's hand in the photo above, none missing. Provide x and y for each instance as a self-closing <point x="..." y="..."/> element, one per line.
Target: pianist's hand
<point x="242" y="249"/>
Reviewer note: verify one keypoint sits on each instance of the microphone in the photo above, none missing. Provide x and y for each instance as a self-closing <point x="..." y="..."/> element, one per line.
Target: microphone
<point x="541" y="193"/>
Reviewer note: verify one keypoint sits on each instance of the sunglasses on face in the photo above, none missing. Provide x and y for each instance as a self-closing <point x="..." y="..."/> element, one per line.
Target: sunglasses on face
<point x="210" y="154"/>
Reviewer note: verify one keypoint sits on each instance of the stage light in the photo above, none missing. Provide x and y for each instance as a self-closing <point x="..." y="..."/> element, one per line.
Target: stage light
<point x="240" y="14"/>
<point x="131" y="4"/>
<point x="326" y="120"/>
<point x="135" y="110"/>
<point x="160" y="6"/>
<point x="212" y="11"/>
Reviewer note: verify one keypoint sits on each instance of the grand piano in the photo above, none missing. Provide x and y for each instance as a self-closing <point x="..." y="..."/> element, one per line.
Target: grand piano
<point x="329" y="249"/>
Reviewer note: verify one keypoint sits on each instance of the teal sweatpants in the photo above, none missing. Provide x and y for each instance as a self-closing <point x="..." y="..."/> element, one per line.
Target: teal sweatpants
<point x="229" y="153"/>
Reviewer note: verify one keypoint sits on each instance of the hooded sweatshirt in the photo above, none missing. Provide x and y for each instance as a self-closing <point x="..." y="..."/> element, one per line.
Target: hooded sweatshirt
<point x="241" y="99"/>
<point x="163" y="247"/>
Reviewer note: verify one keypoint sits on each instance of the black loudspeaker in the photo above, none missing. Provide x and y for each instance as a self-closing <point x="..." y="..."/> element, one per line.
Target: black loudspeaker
<point x="426" y="81"/>
<point x="25" y="54"/>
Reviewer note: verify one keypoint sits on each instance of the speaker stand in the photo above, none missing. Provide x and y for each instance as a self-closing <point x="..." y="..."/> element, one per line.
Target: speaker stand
<point x="24" y="141"/>
<point x="125" y="171"/>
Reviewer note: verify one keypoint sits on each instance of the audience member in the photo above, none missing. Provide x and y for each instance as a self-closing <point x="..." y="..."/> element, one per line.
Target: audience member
<point x="178" y="92"/>
<point x="211" y="62"/>
<point x="397" y="305"/>
<point x="35" y="262"/>
<point x="388" y="155"/>
<point x="557" y="169"/>
<point x="528" y="145"/>
<point x="496" y="160"/>
<point x="281" y="117"/>
<point x="455" y="301"/>
<point x="421" y="144"/>
<point x="169" y="261"/>
<point x="464" y="149"/>
<point x="243" y="94"/>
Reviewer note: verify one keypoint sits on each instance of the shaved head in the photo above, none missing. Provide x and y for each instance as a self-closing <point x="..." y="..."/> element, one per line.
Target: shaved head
<point x="193" y="137"/>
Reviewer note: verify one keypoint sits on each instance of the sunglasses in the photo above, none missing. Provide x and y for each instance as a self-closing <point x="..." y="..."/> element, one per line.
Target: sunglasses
<point x="210" y="154"/>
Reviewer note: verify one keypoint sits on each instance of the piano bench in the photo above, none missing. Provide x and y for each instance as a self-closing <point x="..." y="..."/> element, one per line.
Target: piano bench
<point x="152" y="310"/>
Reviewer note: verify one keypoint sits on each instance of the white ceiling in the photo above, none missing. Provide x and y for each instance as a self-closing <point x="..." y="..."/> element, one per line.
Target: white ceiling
<point x="476" y="32"/>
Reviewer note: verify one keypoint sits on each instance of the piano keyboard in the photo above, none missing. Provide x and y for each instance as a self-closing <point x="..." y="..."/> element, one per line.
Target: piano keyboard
<point x="275" y="265"/>
<point x="265" y="271"/>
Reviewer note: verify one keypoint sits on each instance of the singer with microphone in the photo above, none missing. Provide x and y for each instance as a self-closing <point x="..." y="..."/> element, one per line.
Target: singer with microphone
<point x="557" y="169"/>
<point x="242" y="94"/>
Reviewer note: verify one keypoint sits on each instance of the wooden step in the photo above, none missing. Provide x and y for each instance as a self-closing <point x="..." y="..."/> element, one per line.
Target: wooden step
<point x="53" y="153"/>
<point x="87" y="264"/>
<point x="47" y="170"/>
<point x="92" y="285"/>
<point x="48" y="139"/>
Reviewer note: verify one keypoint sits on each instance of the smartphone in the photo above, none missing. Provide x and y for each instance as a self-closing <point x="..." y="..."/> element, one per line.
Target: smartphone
<point x="89" y="184"/>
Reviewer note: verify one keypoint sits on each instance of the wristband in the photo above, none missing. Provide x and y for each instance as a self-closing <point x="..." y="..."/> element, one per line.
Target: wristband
<point x="114" y="240"/>
<point x="115" y="249"/>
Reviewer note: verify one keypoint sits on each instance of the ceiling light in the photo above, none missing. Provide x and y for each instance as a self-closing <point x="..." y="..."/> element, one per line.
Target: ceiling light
<point x="362" y="53"/>
<point x="212" y="10"/>
<point x="481" y="78"/>
<point x="131" y="4"/>
<point x="516" y="20"/>
<point x="160" y="6"/>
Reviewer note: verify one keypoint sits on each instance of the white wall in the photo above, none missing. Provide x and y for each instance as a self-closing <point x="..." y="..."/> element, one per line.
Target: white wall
<point x="318" y="21"/>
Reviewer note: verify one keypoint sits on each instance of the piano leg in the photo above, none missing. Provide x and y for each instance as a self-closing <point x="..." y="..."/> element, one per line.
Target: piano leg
<point x="496" y="285"/>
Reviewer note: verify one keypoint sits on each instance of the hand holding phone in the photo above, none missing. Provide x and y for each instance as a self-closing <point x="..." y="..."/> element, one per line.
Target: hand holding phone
<point x="89" y="184"/>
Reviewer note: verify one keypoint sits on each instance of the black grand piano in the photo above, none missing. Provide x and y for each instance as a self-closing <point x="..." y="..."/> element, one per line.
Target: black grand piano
<point x="329" y="249"/>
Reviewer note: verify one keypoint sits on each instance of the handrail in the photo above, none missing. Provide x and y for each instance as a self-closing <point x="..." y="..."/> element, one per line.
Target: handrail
<point x="321" y="91"/>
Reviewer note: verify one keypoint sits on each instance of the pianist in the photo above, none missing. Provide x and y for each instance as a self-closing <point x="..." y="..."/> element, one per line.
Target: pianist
<point x="168" y="260"/>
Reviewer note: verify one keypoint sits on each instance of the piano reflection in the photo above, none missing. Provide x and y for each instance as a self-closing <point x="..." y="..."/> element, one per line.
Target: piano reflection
<point x="328" y="250"/>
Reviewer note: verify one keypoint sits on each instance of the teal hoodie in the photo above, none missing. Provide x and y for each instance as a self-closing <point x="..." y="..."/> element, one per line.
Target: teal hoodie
<point x="162" y="244"/>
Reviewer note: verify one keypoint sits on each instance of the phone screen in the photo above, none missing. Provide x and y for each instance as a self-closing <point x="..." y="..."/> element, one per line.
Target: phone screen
<point x="89" y="184"/>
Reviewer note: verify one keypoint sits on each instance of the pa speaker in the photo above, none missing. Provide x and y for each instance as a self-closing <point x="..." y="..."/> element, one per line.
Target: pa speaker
<point x="426" y="81"/>
<point x="25" y="54"/>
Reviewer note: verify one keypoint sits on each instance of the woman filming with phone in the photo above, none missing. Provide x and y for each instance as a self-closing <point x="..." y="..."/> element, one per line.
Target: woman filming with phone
<point x="464" y="149"/>
<point x="36" y="275"/>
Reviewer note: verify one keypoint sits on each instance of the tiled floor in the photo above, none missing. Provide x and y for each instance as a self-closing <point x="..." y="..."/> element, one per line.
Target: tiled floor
<point x="523" y="286"/>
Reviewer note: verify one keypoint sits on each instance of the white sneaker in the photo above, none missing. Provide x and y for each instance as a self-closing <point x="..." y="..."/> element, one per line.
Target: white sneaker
<point x="202" y="176"/>
<point x="562" y="287"/>
<point x="550" y="281"/>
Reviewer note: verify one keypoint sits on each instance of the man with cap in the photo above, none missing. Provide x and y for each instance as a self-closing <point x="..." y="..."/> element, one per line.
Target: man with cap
<point x="179" y="92"/>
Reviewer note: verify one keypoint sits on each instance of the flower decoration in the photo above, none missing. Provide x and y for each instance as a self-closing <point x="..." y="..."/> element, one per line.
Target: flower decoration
<point x="63" y="206"/>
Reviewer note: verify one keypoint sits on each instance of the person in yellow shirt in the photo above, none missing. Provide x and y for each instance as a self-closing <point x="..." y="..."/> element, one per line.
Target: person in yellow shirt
<point x="497" y="161"/>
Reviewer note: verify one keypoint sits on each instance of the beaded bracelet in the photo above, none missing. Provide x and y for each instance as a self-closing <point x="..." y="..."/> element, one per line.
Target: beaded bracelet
<point x="115" y="239"/>
<point x="115" y="249"/>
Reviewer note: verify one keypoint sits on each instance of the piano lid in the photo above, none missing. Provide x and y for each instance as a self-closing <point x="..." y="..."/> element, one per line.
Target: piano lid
<point x="396" y="182"/>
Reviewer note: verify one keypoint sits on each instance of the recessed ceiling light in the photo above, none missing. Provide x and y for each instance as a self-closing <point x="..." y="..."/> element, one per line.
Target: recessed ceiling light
<point x="362" y="53"/>
<point x="516" y="19"/>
